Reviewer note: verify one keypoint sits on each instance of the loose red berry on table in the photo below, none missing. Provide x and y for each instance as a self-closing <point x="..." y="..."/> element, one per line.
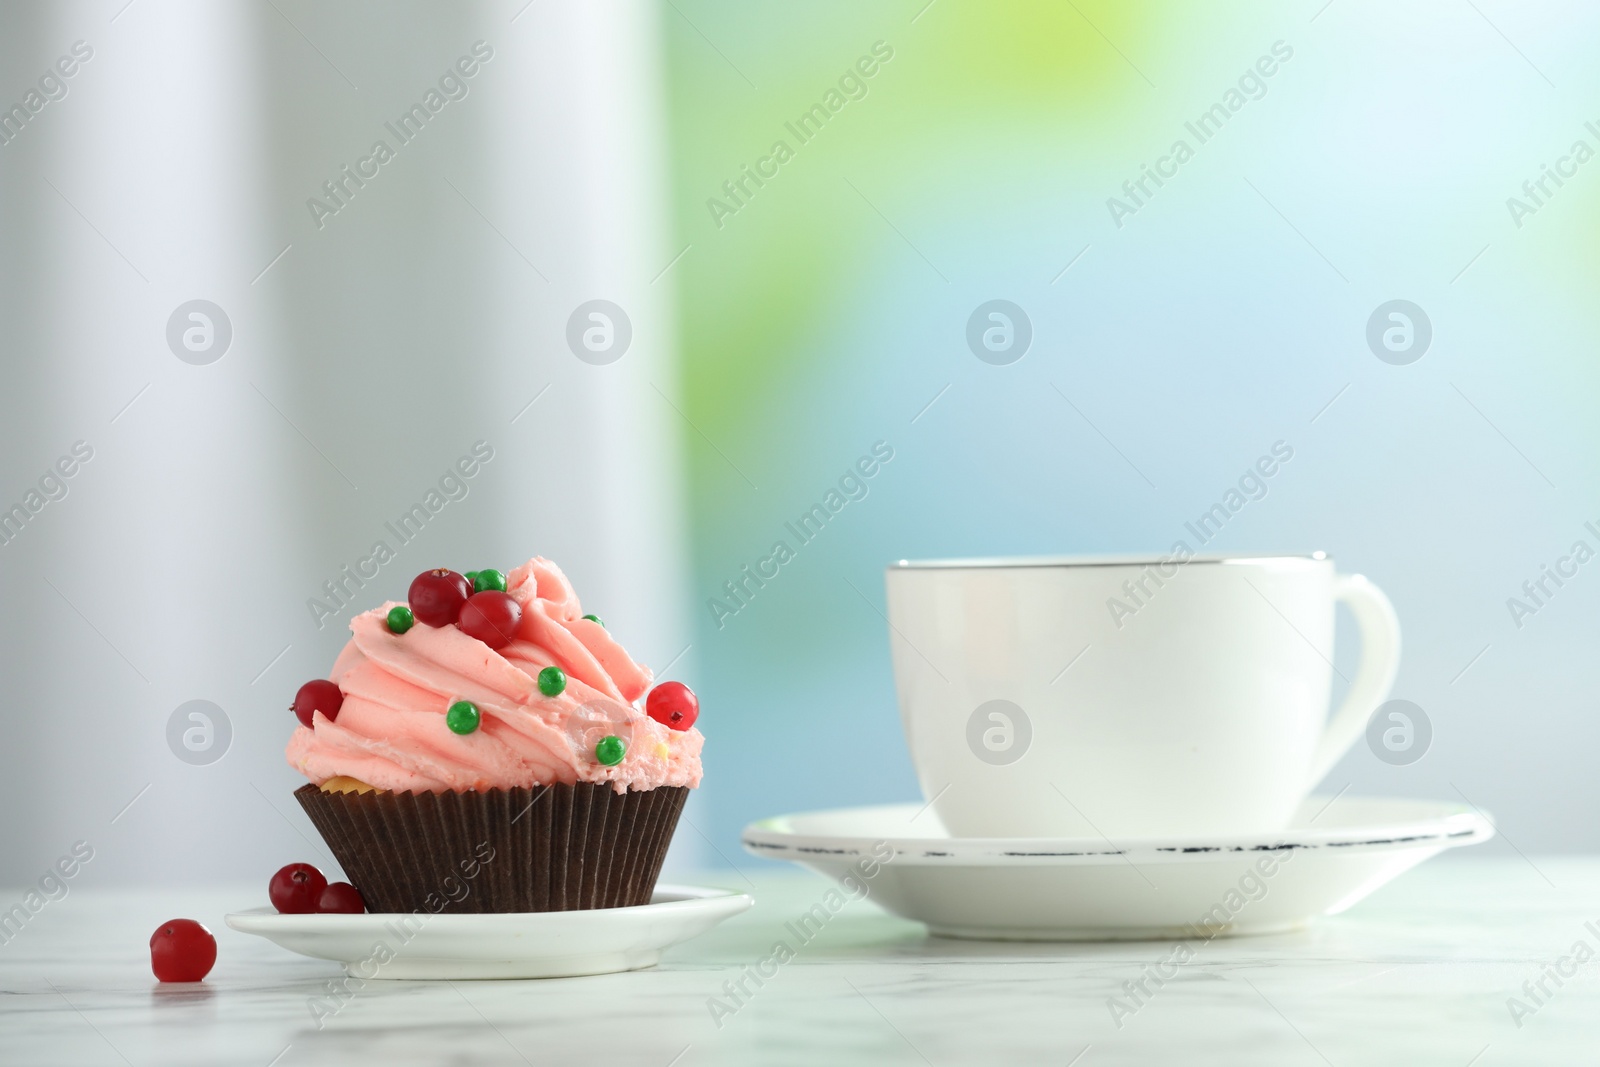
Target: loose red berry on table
<point x="318" y="695"/>
<point x="491" y="616"/>
<point x="436" y="596"/>
<point x="182" y="950"/>
<point x="341" y="898"/>
<point x="673" y="705"/>
<point x="296" y="889"/>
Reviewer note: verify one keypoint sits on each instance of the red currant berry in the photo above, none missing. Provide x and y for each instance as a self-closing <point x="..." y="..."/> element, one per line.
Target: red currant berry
<point x="491" y="616"/>
<point x="673" y="704"/>
<point x="181" y="950"/>
<point x="319" y="695"/>
<point x="296" y="889"/>
<point x="436" y="596"/>
<point x="341" y="898"/>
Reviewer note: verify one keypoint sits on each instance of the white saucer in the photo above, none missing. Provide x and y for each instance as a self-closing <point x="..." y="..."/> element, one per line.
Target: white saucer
<point x="1333" y="854"/>
<point x="548" y="944"/>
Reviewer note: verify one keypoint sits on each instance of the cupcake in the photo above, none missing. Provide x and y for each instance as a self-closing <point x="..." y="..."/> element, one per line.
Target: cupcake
<point x="488" y="747"/>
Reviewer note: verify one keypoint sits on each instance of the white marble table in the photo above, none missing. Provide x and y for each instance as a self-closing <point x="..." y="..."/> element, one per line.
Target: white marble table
<point x="1418" y="974"/>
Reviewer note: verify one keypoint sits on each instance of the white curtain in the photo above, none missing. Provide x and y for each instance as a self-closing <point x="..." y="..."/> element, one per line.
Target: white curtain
<point x="373" y="347"/>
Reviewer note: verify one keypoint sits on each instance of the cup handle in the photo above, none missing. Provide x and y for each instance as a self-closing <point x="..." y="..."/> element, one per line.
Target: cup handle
<point x="1380" y="661"/>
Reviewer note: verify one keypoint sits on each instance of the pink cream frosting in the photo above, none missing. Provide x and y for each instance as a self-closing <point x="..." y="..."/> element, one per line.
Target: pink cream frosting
<point x="391" y="733"/>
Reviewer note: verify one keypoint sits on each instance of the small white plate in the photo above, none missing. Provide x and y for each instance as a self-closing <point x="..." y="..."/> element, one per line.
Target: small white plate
<point x="528" y="944"/>
<point x="1334" y="853"/>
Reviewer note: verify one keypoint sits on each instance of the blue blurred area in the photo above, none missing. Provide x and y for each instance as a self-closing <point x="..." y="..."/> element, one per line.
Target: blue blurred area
<point x="1228" y="313"/>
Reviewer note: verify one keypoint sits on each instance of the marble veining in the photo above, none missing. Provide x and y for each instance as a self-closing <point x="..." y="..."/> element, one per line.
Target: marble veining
<point x="1420" y="973"/>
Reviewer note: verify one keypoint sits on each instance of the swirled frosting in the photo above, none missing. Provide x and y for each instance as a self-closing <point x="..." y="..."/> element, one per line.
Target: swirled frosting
<point x="390" y="731"/>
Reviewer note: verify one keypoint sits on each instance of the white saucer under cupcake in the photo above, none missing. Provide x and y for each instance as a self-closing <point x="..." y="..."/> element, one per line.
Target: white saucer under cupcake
<point x="533" y="944"/>
<point x="1335" y="852"/>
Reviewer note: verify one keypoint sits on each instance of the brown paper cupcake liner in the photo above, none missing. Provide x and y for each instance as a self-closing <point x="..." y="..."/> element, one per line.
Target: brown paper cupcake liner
<point x="548" y="848"/>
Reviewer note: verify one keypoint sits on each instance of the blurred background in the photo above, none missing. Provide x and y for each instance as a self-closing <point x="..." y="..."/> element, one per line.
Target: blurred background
<point x="257" y="341"/>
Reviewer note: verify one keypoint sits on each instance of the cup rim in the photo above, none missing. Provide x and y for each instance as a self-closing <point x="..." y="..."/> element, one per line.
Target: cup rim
<point x="1291" y="559"/>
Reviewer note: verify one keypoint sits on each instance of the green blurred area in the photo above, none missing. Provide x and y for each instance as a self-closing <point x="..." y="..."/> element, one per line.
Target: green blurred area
<point x="967" y="85"/>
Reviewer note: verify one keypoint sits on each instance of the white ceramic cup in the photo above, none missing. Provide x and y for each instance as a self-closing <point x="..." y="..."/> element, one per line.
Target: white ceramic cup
<point x="1122" y="698"/>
